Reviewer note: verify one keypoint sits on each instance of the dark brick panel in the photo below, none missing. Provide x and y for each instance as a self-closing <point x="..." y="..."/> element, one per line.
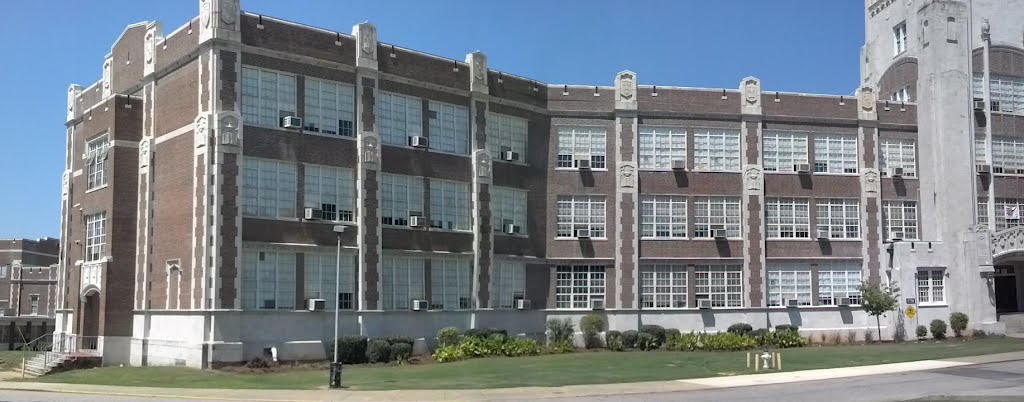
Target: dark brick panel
<point x="176" y="46"/>
<point x="416" y="239"/>
<point x="128" y="60"/>
<point x="417" y="162"/>
<point x="177" y="96"/>
<point x="434" y="70"/>
<point x="755" y="249"/>
<point x="1003" y="60"/>
<point x="294" y="39"/>
<point x="516" y="89"/>
<point x="811" y="185"/>
<point x="807" y="106"/>
<point x="900" y="74"/>
<point x="371" y="241"/>
<point x="581" y="99"/>
<point x="539" y="284"/>
<point x="687" y="100"/>
<point x="900" y="189"/>
<point x="229" y="209"/>
<point x="691" y="183"/>
<point x="812" y="248"/>
<point x="228" y="76"/>
<point x="274" y="231"/>
<point x="874" y="239"/>
<point x="691" y="248"/>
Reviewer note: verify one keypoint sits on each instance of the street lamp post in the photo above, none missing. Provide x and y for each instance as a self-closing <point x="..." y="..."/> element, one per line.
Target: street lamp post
<point x="335" y="364"/>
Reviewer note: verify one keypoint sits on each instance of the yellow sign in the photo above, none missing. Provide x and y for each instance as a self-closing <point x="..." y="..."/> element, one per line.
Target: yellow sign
<point x="911" y="311"/>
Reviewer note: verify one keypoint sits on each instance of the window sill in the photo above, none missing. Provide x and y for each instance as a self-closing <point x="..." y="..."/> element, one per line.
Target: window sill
<point x="327" y="222"/>
<point x="282" y="219"/>
<point x="425" y="229"/>
<point x="565" y="169"/>
<point x="885" y="176"/>
<point x="789" y="172"/>
<point x="812" y="239"/>
<point x="663" y="238"/>
<point x="517" y="235"/>
<point x="714" y="239"/>
<point x="580" y="238"/>
<point x="428" y="149"/>
<point x="937" y="305"/>
<point x="337" y="136"/>
<point x="713" y="171"/>
<point x="95" y="189"/>
<point x="515" y="163"/>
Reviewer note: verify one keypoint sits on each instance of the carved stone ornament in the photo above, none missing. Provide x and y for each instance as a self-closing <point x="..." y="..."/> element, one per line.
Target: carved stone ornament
<point x="627" y="86"/>
<point x="986" y="29"/>
<point x="202" y="131"/>
<point x="106" y="74"/>
<point x="1007" y="241"/>
<point x="150" y="47"/>
<point x="144" y="153"/>
<point x="368" y="39"/>
<point x="627" y="175"/>
<point x="752" y="178"/>
<point x="206" y="12"/>
<point x="371" y="150"/>
<point x="228" y="11"/>
<point x="72" y="94"/>
<point x="871" y="180"/>
<point x="480" y="69"/>
<point x="65" y="184"/>
<point x="483" y="163"/>
<point x="228" y="130"/>
<point x="867" y="98"/>
<point x="752" y="91"/>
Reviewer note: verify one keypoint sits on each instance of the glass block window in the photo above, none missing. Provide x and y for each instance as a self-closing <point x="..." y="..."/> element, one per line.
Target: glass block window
<point x="575" y="143"/>
<point x="898" y="153"/>
<point x="716" y="150"/>
<point x="783" y="150"/>
<point x="319" y="275"/>
<point x="332" y="190"/>
<point x="330" y="108"/>
<point x="581" y="212"/>
<point x="400" y="197"/>
<point x="450" y="283"/>
<point x="268" y="280"/>
<point x="508" y="205"/>
<point x="788" y="281"/>
<point x="577" y="285"/>
<point x="839" y="279"/>
<point x="659" y="146"/>
<point x="835" y="153"/>
<point x="268" y="188"/>
<point x="722" y="284"/>
<point x="663" y="286"/>
<point x="506" y="133"/>
<point x="663" y="216"/>
<point x="449" y="128"/>
<point x="839" y="217"/>
<point x="508" y="283"/>
<point x="717" y="213"/>
<point x="787" y="218"/>
<point x="267" y="96"/>
<point x="402" y="281"/>
<point x="449" y="205"/>
<point x="398" y="117"/>
<point x="1007" y="92"/>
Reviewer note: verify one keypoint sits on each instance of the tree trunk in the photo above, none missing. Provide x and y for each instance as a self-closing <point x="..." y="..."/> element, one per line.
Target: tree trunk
<point x="878" y="322"/>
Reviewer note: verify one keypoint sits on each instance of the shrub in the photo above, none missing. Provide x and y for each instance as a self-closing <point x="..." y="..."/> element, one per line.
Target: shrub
<point x="740" y="328"/>
<point x="851" y="336"/>
<point x="560" y="331"/>
<point x="672" y="333"/>
<point x="938" y="328"/>
<point x="978" y="333"/>
<point x="782" y="339"/>
<point x="655" y="330"/>
<point x="629" y="339"/>
<point x="647" y="341"/>
<point x="562" y="347"/>
<point x="922" y="331"/>
<point x="592" y="325"/>
<point x="757" y="333"/>
<point x="484" y="333"/>
<point x="351" y="349"/>
<point x="869" y="336"/>
<point x="447" y="354"/>
<point x="786" y="327"/>
<point x="520" y="347"/>
<point x="958" y="323"/>
<point x="448" y="336"/>
<point x="724" y="341"/>
<point x="613" y="340"/>
<point x="258" y="363"/>
<point x="378" y="351"/>
<point x="401" y="352"/>
<point x="401" y="339"/>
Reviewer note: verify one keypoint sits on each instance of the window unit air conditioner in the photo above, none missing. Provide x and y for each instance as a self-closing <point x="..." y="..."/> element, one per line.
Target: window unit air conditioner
<point x="979" y="105"/>
<point x="419" y="141"/>
<point x="984" y="169"/>
<point x="823" y="234"/>
<point x="509" y="156"/>
<point x="523" y="304"/>
<point x="704" y="304"/>
<point x="802" y="167"/>
<point x="792" y="303"/>
<point x="291" y="122"/>
<point x="597" y="304"/>
<point x="508" y="227"/>
<point x="583" y="163"/>
<point x="845" y="301"/>
<point x="316" y="304"/>
<point x="420" y="305"/>
<point x="1010" y="171"/>
<point x="678" y="164"/>
<point x="719" y="234"/>
<point x="583" y="233"/>
<point x="313" y="214"/>
<point x="417" y="221"/>
<point x="896" y="235"/>
<point x="896" y="172"/>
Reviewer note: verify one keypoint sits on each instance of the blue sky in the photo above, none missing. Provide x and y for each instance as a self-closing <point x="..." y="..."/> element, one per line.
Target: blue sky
<point x="792" y="45"/>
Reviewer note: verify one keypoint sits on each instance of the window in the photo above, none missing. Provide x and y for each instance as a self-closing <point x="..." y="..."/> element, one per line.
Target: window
<point x="449" y="205"/>
<point x="268" y="188"/>
<point x="1007" y="92"/>
<point x="722" y="284"/>
<point x="1008" y="213"/>
<point x="575" y="143"/>
<point x="717" y="213"/>
<point x="783" y="150"/>
<point x="398" y="117"/>
<point x="96" y="162"/>
<point x="787" y="218"/>
<point x="400" y="197"/>
<point x="898" y="153"/>
<point x="983" y="212"/>
<point x="578" y="213"/>
<point x="577" y="285"/>
<point x="95" y="236"/>
<point x="449" y="128"/>
<point x="838" y="279"/>
<point x="506" y="133"/>
<point x="268" y="280"/>
<point x="663" y="286"/>
<point x="787" y="281"/>
<point x="839" y="217"/>
<point x="901" y="95"/>
<point x="716" y="150"/>
<point x="508" y="282"/>
<point x="900" y="219"/>
<point x="899" y="34"/>
<point x="4" y="271"/>
<point x="267" y="96"/>
<point x="402" y="281"/>
<point x="931" y="287"/>
<point x="331" y="189"/>
<point x="835" y="153"/>
<point x="1007" y="154"/>
<point x="35" y="304"/>
<point x="320" y="271"/>
<point x="330" y="108"/>
<point x="508" y="205"/>
<point x="659" y="146"/>
<point x="663" y="216"/>
<point x="450" y="283"/>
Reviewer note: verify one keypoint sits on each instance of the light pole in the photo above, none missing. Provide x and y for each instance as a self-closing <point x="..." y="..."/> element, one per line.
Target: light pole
<point x="335" y="364"/>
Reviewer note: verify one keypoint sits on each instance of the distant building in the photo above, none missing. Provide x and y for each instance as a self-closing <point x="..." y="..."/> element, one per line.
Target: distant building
<point x="208" y="166"/>
<point x="28" y="277"/>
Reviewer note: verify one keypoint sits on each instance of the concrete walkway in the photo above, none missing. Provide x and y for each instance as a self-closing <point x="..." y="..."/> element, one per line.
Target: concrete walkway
<point x="526" y="393"/>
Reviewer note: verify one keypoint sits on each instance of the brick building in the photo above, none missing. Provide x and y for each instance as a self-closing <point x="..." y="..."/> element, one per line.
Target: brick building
<point x="28" y="277"/>
<point x="209" y="167"/>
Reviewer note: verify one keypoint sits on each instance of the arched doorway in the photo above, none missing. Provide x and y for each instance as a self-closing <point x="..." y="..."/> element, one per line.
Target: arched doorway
<point x="90" y="313"/>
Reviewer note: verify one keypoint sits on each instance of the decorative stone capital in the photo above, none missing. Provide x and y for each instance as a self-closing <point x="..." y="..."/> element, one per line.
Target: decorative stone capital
<point x="201" y="129"/>
<point x="219" y="19"/>
<point x="74" y="91"/>
<point x="750" y="88"/>
<point x="478" y="68"/>
<point x="627" y="175"/>
<point x="366" y="41"/>
<point x="144" y="152"/>
<point x="870" y="181"/>
<point x="369" y="149"/>
<point x="625" y="90"/>
<point x="752" y="178"/>
<point x="108" y="65"/>
<point x="228" y="131"/>
<point x="986" y="30"/>
<point x="65" y="184"/>
<point x="867" y="101"/>
<point x="482" y="161"/>
<point x="154" y="30"/>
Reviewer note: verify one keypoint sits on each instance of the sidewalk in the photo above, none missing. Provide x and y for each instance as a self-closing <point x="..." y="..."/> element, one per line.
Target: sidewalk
<point x="526" y="393"/>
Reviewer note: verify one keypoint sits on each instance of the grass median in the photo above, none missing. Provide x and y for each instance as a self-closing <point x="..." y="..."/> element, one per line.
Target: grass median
<point x="540" y="371"/>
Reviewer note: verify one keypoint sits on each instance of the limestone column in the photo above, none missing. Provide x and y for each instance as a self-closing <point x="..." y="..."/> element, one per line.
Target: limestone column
<point x="483" y="232"/>
<point x="627" y="256"/>
<point x="870" y="188"/>
<point x="753" y="192"/>
<point x="368" y="172"/>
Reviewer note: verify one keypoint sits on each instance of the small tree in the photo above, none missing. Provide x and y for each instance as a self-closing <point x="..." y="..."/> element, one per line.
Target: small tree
<point x="878" y="299"/>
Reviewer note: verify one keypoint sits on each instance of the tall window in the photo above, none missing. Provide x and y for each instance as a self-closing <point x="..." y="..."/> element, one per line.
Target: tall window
<point x="330" y="108"/>
<point x="577" y="285"/>
<point x="900" y="219"/>
<point x="663" y="286"/>
<point x="931" y="286"/>
<point x="34" y="299"/>
<point x="449" y="205"/>
<point x="4" y="271"/>
<point x="663" y="216"/>
<point x="1007" y="154"/>
<point x="398" y="117"/>
<point x="659" y="146"/>
<point x="268" y="188"/>
<point x="400" y="197"/>
<point x="787" y="218"/>
<point x="839" y="217"/>
<point x="1008" y="213"/>
<point x="449" y="128"/>
<point x="1007" y="92"/>
<point x="983" y="212"/>
<point x="900" y="95"/>
<point x="716" y="150"/>
<point x="506" y="133"/>
<point x="577" y="213"/>
<point x="787" y="281"/>
<point x="508" y="206"/>
<point x="331" y="189"/>
<point x="267" y="96"/>
<point x="95" y="236"/>
<point x="268" y="280"/>
<point x="899" y="34"/>
<point x="838" y="279"/>
<point x="402" y="281"/>
<point x="320" y="270"/>
<point x="717" y="213"/>
<point x="96" y="162"/>
<point x="508" y="282"/>
<point x="898" y="153"/>
<point x="783" y="150"/>
<point x="576" y="143"/>
<point x="835" y="153"/>
<point x="450" y="283"/>
<point x="722" y="284"/>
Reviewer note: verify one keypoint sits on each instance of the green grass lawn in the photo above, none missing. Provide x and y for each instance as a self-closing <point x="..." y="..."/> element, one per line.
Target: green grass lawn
<point x="11" y="359"/>
<point x="548" y="370"/>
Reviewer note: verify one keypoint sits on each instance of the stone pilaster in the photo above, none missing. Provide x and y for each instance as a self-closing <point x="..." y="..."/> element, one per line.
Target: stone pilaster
<point x="753" y="191"/>
<point x="870" y="189"/>
<point x="368" y="173"/>
<point x="627" y="189"/>
<point x="483" y="232"/>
